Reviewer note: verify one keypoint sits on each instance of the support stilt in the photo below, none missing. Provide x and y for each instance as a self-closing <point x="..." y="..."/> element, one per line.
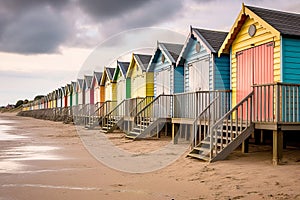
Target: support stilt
<point x="277" y="147"/>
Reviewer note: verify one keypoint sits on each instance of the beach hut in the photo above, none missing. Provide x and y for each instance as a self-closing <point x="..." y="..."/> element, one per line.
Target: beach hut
<point x="162" y="63"/>
<point x="140" y="80"/>
<point x="97" y="88"/>
<point x="265" y="69"/>
<point x="79" y="96"/>
<point x="110" y="93"/>
<point x="59" y="97"/>
<point x="89" y="95"/>
<point x="73" y="94"/>
<point x="64" y="97"/>
<point x="122" y="84"/>
<point x="203" y="70"/>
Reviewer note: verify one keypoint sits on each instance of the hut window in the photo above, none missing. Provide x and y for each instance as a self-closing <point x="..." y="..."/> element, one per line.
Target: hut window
<point x="251" y="30"/>
<point x="162" y="58"/>
<point x="198" y="47"/>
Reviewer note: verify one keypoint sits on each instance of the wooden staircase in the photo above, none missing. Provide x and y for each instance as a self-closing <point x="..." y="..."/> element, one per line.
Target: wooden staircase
<point x="150" y="120"/>
<point x="96" y="119"/>
<point x="222" y="137"/>
<point x="114" y="119"/>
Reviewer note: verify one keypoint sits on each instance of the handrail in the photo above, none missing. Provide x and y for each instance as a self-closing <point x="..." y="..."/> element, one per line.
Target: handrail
<point x="115" y="108"/>
<point x="233" y="109"/>
<point x="149" y="104"/>
<point x="144" y="99"/>
<point x="201" y="91"/>
<point x="231" y="118"/>
<point x="194" y="125"/>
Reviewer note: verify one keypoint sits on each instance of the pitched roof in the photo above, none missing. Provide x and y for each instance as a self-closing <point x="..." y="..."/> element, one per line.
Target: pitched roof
<point x="98" y="76"/>
<point x="286" y="23"/>
<point x="80" y="83"/>
<point x="110" y="72"/>
<point x="88" y="80"/>
<point x="173" y="49"/>
<point x="142" y="60"/>
<point x="214" y="39"/>
<point x="123" y="66"/>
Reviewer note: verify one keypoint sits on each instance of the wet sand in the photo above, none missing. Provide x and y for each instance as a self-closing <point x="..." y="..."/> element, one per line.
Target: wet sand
<point x="47" y="160"/>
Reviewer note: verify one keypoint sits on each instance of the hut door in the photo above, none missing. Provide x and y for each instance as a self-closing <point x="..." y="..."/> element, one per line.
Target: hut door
<point x="255" y="67"/>
<point x="199" y="75"/>
<point x="162" y="82"/>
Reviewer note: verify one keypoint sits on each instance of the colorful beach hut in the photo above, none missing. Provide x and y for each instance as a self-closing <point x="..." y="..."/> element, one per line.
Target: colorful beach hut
<point x="141" y="80"/>
<point x="110" y="93"/>
<point x="162" y="63"/>
<point x="73" y="98"/>
<point x="97" y="88"/>
<point x="79" y="96"/>
<point x="264" y="46"/>
<point x="87" y="90"/>
<point x="122" y="84"/>
<point x="203" y="70"/>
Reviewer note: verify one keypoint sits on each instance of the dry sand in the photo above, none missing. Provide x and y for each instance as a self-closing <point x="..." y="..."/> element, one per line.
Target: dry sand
<point x="47" y="160"/>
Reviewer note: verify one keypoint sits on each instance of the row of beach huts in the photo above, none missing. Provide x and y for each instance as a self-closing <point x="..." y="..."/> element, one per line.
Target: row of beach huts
<point x="216" y="90"/>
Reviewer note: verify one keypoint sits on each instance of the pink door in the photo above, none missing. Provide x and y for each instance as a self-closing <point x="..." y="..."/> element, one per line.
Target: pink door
<point x="255" y="66"/>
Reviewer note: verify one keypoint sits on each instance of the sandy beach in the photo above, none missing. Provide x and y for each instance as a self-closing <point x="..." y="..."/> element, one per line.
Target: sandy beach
<point x="42" y="159"/>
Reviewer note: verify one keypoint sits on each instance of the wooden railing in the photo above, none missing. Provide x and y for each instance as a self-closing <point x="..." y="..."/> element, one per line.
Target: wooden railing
<point x="140" y="104"/>
<point x="278" y="103"/>
<point x="160" y="107"/>
<point x="231" y="125"/>
<point x="205" y="119"/>
<point x="105" y="108"/>
<point x="191" y="104"/>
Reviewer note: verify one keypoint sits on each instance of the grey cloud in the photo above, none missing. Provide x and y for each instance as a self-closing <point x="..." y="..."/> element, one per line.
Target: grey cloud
<point x="103" y="9"/>
<point x="152" y="13"/>
<point x="33" y="26"/>
<point x="40" y="31"/>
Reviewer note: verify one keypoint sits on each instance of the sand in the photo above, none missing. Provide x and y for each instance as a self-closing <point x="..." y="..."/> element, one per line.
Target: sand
<point x="47" y="160"/>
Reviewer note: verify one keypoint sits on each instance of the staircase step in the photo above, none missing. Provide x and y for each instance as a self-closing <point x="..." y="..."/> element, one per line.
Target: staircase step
<point x="202" y="149"/>
<point x="198" y="156"/>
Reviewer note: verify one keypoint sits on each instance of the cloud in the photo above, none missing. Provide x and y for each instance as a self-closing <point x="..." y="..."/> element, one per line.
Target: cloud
<point x="33" y="27"/>
<point x="106" y="9"/>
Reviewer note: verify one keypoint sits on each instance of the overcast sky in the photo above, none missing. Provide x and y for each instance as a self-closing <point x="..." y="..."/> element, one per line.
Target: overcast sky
<point x="45" y="43"/>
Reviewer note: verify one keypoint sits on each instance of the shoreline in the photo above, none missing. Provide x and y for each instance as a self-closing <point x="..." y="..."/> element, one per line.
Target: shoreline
<point x="66" y="170"/>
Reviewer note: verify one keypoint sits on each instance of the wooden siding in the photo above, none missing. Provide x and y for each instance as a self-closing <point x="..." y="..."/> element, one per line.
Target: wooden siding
<point x="120" y="87"/>
<point x="102" y="93"/>
<point x="138" y="82"/>
<point x="290" y="60"/>
<point x="128" y="88"/>
<point x="244" y="41"/>
<point x="192" y="59"/>
<point x="163" y="80"/>
<point x="221" y="73"/>
<point x="178" y="79"/>
<point x="149" y="84"/>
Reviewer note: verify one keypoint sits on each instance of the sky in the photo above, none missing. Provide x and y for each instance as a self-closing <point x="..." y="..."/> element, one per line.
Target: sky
<point x="45" y="44"/>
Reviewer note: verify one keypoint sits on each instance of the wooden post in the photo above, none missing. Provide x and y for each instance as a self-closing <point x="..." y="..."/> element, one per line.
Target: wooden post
<point x="284" y="140"/>
<point x="166" y="129"/>
<point x="277" y="147"/>
<point x="174" y="133"/>
<point x="245" y="146"/>
<point x="262" y="141"/>
<point x="157" y="130"/>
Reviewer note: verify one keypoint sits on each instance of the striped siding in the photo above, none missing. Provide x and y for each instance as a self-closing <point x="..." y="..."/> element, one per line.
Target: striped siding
<point x="221" y="72"/>
<point x="178" y="79"/>
<point x="128" y="88"/>
<point x="162" y="66"/>
<point x="290" y="60"/>
<point x="192" y="56"/>
<point x="243" y="41"/>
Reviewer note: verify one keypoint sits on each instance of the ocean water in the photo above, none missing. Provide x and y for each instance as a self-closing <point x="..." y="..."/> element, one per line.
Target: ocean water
<point x="5" y="128"/>
<point x="14" y="152"/>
